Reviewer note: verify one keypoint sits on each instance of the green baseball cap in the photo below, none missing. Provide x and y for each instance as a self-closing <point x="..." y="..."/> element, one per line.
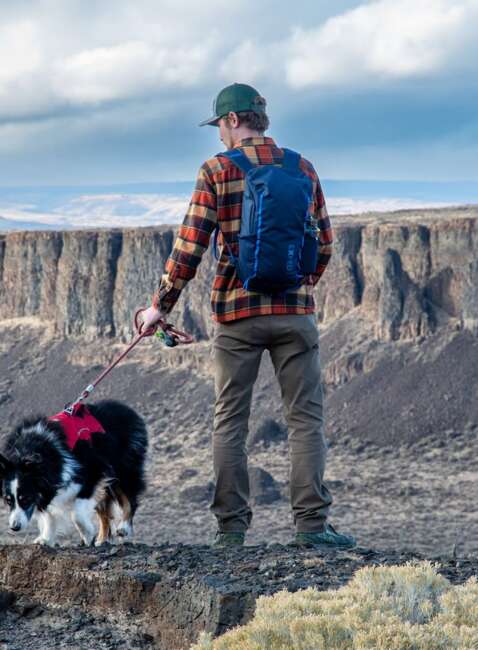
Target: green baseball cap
<point x="236" y="97"/>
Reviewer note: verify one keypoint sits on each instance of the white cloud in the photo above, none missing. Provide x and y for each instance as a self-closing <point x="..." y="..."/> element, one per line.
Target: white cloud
<point x="383" y="40"/>
<point x="21" y="70"/>
<point x="105" y="73"/>
<point x="127" y="70"/>
<point x="91" y="88"/>
<point x="18" y="43"/>
<point x="251" y="61"/>
<point x="56" y="57"/>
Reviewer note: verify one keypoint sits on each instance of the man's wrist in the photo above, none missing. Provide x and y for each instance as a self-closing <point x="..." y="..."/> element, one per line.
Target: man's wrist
<point x="156" y="304"/>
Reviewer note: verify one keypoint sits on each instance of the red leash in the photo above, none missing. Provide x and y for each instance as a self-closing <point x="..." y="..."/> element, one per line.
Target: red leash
<point x="170" y="335"/>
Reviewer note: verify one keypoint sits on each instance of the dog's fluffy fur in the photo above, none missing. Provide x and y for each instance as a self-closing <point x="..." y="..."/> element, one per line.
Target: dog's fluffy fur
<point x="41" y="476"/>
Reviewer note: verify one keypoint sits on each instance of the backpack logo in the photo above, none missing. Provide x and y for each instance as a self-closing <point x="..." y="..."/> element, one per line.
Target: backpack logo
<point x="290" y="258"/>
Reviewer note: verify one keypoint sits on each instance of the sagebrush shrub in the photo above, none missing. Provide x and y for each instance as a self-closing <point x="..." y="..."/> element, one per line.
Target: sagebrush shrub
<point x="409" y="607"/>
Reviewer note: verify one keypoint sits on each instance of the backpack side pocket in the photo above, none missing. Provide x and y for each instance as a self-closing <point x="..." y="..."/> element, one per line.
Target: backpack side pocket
<point x="310" y="247"/>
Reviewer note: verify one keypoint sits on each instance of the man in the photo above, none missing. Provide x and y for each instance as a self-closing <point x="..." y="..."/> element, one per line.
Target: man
<point x="249" y="322"/>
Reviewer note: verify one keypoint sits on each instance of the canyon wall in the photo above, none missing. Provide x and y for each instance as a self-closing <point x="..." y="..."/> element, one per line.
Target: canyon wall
<point x="409" y="272"/>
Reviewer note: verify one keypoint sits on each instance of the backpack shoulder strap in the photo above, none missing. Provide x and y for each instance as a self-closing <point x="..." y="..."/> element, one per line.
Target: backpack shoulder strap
<point x="232" y="257"/>
<point x="239" y="158"/>
<point x="291" y="159"/>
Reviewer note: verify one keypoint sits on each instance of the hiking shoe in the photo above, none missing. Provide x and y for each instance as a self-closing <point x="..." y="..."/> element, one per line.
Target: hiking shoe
<point x="329" y="538"/>
<point x="229" y="539"/>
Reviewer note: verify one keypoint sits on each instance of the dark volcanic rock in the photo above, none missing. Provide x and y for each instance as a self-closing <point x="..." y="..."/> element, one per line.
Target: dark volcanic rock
<point x="163" y="596"/>
<point x="263" y="487"/>
<point x="269" y="432"/>
<point x="189" y="472"/>
<point x="198" y="493"/>
<point x="6" y="599"/>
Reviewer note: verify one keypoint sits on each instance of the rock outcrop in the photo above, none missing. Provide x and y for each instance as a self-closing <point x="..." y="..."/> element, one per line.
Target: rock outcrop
<point x="409" y="272"/>
<point x="163" y="596"/>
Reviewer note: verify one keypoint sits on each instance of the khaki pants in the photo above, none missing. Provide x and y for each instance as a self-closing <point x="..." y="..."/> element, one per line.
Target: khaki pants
<point x="293" y="343"/>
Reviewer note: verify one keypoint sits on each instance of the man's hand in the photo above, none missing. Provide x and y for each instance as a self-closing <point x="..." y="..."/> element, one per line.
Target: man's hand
<point x="150" y="317"/>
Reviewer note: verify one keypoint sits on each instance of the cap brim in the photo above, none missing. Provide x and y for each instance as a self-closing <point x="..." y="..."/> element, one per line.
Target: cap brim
<point x="212" y="121"/>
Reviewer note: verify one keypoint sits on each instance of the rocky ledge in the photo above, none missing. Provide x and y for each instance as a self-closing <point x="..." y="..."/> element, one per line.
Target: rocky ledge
<point x="409" y="272"/>
<point x="137" y="596"/>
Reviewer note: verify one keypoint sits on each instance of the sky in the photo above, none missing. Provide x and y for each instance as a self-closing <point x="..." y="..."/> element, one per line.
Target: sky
<point x="113" y="91"/>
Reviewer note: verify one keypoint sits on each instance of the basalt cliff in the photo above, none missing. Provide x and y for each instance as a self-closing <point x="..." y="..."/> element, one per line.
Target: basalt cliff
<point x="408" y="273"/>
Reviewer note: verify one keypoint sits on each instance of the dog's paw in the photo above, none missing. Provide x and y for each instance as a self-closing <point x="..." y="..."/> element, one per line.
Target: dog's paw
<point x="45" y="542"/>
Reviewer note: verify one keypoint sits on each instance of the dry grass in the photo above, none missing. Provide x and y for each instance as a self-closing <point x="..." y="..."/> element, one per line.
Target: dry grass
<point x="313" y="562"/>
<point x="408" y="607"/>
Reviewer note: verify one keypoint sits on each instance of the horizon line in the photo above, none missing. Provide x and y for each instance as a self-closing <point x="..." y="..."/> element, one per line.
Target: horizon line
<point x="192" y="181"/>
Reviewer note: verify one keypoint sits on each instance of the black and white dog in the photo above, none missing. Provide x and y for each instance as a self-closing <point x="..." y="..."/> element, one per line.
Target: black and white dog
<point x="51" y="469"/>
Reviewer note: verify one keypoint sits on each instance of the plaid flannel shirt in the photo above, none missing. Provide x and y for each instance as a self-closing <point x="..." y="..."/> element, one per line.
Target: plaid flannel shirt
<point x="217" y="199"/>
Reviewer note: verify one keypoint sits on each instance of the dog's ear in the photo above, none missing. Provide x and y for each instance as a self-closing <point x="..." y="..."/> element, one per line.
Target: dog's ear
<point x="5" y="465"/>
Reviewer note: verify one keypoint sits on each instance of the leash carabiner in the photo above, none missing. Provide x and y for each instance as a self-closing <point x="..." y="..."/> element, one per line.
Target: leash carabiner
<point x="166" y="332"/>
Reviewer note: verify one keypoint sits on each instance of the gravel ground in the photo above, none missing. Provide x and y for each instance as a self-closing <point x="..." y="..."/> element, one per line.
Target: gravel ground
<point x="408" y="492"/>
<point x="30" y="626"/>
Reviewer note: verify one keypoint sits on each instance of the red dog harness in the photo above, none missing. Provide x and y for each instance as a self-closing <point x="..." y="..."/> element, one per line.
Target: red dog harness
<point x="80" y="425"/>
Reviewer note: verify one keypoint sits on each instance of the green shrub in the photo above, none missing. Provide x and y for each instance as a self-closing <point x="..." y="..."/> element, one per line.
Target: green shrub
<point x="409" y="607"/>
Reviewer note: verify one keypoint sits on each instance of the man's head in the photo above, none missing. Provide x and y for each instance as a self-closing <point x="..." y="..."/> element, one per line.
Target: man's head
<point x="239" y="112"/>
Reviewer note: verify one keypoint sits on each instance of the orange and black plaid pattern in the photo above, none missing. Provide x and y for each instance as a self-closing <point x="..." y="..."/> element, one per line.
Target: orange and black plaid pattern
<point x="217" y="199"/>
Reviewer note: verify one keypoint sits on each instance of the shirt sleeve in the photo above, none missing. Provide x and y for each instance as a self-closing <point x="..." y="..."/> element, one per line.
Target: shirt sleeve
<point x="191" y="242"/>
<point x="325" y="234"/>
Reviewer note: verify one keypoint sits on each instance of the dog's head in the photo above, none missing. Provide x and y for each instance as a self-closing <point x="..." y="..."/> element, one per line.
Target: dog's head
<point x="19" y="480"/>
<point x="33" y="467"/>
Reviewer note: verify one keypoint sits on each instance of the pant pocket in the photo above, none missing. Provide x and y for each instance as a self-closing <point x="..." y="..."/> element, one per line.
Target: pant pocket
<point x="310" y="331"/>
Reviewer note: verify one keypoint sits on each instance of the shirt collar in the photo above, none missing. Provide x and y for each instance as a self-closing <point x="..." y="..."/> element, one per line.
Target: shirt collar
<point x="259" y="139"/>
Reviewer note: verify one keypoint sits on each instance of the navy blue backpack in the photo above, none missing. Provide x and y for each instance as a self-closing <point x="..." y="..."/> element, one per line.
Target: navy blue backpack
<point x="278" y="237"/>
